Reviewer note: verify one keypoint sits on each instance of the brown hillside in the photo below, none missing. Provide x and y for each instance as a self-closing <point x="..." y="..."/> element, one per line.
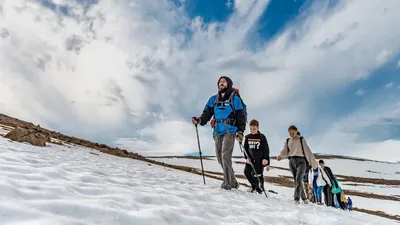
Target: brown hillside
<point x="20" y="124"/>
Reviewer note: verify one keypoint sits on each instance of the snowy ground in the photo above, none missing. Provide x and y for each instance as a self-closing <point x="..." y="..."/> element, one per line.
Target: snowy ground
<point x="390" y="207"/>
<point x="61" y="185"/>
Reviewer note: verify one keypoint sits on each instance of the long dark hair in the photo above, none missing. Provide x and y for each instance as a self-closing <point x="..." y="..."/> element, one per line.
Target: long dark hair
<point x="293" y="127"/>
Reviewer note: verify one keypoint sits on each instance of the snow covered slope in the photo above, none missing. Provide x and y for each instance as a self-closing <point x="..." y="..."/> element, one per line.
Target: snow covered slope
<point x="376" y="196"/>
<point x="65" y="184"/>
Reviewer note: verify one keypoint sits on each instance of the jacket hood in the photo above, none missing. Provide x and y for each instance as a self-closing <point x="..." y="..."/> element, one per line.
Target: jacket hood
<point x="229" y="80"/>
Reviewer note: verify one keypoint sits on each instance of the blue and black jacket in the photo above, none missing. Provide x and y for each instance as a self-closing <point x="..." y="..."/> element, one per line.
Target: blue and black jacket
<point x="228" y="120"/>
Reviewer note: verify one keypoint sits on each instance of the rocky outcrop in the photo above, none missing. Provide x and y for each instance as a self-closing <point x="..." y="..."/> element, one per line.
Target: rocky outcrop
<point x="14" y="122"/>
<point x="32" y="136"/>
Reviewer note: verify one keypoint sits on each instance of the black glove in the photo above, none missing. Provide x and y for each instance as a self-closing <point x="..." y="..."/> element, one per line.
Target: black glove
<point x="196" y="120"/>
<point x="239" y="136"/>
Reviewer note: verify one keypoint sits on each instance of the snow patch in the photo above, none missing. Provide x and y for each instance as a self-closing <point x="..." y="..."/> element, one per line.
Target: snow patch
<point x="69" y="185"/>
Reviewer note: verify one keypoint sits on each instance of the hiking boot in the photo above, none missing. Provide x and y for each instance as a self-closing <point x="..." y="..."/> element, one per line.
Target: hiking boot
<point x="227" y="188"/>
<point x="259" y="190"/>
<point x="237" y="185"/>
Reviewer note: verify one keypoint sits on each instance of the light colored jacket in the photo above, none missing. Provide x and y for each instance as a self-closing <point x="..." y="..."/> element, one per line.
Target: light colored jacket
<point x="322" y="178"/>
<point x="294" y="149"/>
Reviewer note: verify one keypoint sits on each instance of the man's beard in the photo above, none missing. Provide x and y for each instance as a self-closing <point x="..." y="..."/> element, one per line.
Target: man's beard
<point x="223" y="90"/>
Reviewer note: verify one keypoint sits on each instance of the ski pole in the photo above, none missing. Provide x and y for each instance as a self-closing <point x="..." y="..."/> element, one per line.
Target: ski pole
<point x="254" y="170"/>
<point x="201" y="161"/>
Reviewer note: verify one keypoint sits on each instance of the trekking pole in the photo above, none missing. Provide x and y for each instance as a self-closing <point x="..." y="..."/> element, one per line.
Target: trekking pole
<point x="254" y="170"/>
<point x="201" y="161"/>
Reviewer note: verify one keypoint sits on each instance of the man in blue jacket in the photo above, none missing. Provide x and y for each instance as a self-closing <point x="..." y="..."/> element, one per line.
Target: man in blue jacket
<point x="230" y="123"/>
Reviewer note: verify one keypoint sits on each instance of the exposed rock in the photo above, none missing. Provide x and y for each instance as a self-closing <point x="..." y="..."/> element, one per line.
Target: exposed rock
<point x="14" y="122"/>
<point x="32" y="136"/>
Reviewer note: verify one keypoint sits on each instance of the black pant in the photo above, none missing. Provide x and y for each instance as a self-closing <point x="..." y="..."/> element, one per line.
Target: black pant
<point x="328" y="196"/>
<point x="251" y="177"/>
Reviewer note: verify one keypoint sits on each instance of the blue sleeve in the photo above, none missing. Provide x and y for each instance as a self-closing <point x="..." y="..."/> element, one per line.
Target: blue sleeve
<point x="208" y="111"/>
<point x="237" y="103"/>
<point x="210" y="103"/>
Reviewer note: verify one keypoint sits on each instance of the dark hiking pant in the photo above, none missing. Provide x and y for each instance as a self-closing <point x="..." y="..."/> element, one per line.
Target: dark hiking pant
<point x="297" y="166"/>
<point x="251" y="177"/>
<point x="223" y="149"/>
<point x="328" y="196"/>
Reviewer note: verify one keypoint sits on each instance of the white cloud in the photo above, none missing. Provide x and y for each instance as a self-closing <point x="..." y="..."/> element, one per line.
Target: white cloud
<point x="169" y="138"/>
<point x="389" y="85"/>
<point x="383" y="56"/>
<point x="360" y="92"/>
<point x="350" y="134"/>
<point x="119" y="68"/>
<point x="243" y="6"/>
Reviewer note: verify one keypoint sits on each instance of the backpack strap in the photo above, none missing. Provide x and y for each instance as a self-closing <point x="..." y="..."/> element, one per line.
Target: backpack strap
<point x="287" y="144"/>
<point x="216" y="99"/>
<point x="216" y="102"/>
<point x="302" y="148"/>
<point x="231" y="101"/>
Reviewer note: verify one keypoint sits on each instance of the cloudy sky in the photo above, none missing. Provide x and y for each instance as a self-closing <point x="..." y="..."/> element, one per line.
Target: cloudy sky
<point x="132" y="73"/>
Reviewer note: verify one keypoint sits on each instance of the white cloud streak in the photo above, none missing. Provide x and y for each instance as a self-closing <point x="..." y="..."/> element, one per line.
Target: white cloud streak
<point x="389" y="85"/>
<point x="129" y="69"/>
<point x="360" y="92"/>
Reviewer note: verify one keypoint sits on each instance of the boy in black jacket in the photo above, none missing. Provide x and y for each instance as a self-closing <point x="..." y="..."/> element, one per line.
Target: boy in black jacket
<point x="256" y="147"/>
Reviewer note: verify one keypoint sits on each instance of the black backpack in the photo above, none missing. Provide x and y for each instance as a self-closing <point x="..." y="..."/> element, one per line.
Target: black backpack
<point x="302" y="148"/>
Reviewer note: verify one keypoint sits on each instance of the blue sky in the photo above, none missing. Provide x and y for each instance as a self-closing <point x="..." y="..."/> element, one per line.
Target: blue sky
<point x="133" y="73"/>
<point x="332" y="105"/>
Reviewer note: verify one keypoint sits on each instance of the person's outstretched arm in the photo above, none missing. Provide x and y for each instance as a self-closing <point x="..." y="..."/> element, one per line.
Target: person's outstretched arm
<point x="208" y="111"/>
<point x="265" y="148"/>
<point x="309" y="155"/>
<point x="284" y="152"/>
